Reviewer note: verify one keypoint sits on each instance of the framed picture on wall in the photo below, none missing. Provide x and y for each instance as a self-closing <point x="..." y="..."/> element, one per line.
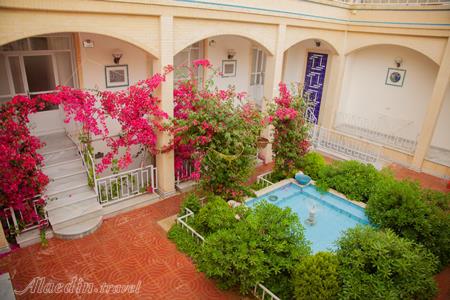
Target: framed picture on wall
<point x="116" y="76"/>
<point x="229" y="68"/>
<point x="395" y="77"/>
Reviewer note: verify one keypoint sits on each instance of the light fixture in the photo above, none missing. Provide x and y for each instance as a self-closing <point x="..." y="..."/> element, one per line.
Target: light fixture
<point x="212" y="43"/>
<point x="88" y="43"/>
<point x="398" y="61"/>
<point x="317" y="43"/>
<point x="231" y="53"/>
<point x="117" y="55"/>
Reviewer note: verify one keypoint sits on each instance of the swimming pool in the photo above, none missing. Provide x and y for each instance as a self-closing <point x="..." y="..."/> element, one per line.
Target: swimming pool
<point x="333" y="214"/>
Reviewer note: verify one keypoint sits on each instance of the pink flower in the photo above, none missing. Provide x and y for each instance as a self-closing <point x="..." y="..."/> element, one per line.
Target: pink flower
<point x="201" y="62"/>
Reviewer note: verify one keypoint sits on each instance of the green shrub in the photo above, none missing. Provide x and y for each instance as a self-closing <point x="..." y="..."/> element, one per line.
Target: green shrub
<point x="311" y="164"/>
<point x="354" y="179"/>
<point x="215" y="215"/>
<point x="316" y="277"/>
<point x="265" y="245"/>
<point x="374" y="264"/>
<point x="412" y="213"/>
<point x="184" y="241"/>
<point x="192" y="202"/>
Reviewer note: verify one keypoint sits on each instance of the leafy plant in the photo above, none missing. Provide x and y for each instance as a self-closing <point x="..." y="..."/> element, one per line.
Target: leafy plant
<point x="316" y="277"/>
<point x="192" y="202"/>
<point x="376" y="264"/>
<point x="184" y="241"/>
<point x="311" y="164"/>
<point x="215" y="215"/>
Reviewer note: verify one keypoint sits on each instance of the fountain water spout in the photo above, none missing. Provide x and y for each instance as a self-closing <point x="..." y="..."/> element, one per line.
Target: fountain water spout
<point x="312" y="216"/>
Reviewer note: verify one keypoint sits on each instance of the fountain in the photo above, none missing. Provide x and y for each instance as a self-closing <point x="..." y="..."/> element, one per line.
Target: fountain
<point x="312" y="216"/>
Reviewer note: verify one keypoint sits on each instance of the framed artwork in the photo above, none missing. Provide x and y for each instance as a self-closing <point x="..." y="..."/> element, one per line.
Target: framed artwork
<point x="229" y="68"/>
<point x="395" y="77"/>
<point x="116" y="76"/>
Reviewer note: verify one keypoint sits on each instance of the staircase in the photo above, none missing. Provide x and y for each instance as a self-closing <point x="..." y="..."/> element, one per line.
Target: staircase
<point x="72" y="206"/>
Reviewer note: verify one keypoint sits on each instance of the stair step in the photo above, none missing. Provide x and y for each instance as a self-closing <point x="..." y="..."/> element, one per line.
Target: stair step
<point x="55" y="158"/>
<point x="32" y="237"/>
<point x="73" y="214"/>
<point x="80" y="229"/>
<point x="55" y="142"/>
<point x="64" y="170"/>
<point x="65" y="184"/>
<point x="75" y="196"/>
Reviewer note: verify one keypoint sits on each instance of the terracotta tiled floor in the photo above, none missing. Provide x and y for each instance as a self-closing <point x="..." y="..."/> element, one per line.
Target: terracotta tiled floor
<point x="125" y="249"/>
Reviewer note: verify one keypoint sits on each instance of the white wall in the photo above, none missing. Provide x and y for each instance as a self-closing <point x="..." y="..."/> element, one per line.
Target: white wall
<point x="441" y="137"/>
<point x="365" y="93"/>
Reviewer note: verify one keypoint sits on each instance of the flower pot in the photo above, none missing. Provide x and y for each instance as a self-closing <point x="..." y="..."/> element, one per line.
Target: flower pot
<point x="262" y="142"/>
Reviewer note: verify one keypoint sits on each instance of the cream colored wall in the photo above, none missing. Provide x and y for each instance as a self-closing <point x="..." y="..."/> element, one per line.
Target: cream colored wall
<point x="366" y="95"/>
<point x="441" y="137"/>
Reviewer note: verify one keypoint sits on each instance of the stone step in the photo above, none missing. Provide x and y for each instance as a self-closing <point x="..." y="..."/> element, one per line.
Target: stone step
<point x="55" y="158"/>
<point x="79" y="230"/>
<point x="32" y="237"/>
<point x="65" y="184"/>
<point x="62" y="170"/>
<point x="55" y="142"/>
<point x="71" y="197"/>
<point x="73" y="214"/>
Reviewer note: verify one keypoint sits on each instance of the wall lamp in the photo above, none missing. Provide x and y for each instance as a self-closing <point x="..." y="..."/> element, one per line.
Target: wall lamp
<point x="212" y="43"/>
<point x="231" y="53"/>
<point x="117" y="55"/>
<point x="317" y="43"/>
<point x="398" y="61"/>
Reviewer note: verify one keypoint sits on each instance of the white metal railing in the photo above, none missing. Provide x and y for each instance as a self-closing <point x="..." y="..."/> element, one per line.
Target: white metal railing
<point x="184" y="174"/>
<point x="384" y="130"/>
<point x="127" y="184"/>
<point x="261" y="292"/>
<point x="15" y="219"/>
<point x="345" y="146"/>
<point x="263" y="181"/>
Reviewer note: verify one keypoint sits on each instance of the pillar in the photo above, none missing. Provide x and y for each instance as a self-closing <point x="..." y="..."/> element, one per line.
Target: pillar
<point x="433" y="109"/>
<point x="273" y="73"/>
<point x="335" y="82"/>
<point x="4" y="246"/>
<point x="165" y="161"/>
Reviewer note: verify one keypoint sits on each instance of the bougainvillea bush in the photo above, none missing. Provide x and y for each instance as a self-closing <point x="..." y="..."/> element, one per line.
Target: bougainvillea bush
<point x="217" y="131"/>
<point x="290" y="142"/>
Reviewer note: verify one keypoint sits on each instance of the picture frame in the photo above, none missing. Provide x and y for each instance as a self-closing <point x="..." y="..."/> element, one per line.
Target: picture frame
<point x="116" y="76"/>
<point x="395" y="77"/>
<point x="229" y="68"/>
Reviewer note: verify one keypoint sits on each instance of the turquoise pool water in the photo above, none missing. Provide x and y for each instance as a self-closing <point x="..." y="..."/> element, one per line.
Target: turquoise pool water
<point x="333" y="215"/>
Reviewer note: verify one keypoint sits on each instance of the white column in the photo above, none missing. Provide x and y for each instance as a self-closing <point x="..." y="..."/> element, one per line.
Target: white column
<point x="433" y="110"/>
<point x="4" y="246"/>
<point x="165" y="161"/>
<point x="274" y="67"/>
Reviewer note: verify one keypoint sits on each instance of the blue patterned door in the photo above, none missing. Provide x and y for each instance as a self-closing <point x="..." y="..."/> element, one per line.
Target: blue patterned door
<point x="314" y="80"/>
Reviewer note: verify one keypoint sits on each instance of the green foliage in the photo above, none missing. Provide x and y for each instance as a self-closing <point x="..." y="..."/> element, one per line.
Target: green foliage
<point x="375" y="264"/>
<point x="184" y="241"/>
<point x="215" y="215"/>
<point x="352" y="178"/>
<point x="264" y="245"/>
<point x="311" y="164"/>
<point x="413" y="213"/>
<point x="192" y="202"/>
<point x="316" y="277"/>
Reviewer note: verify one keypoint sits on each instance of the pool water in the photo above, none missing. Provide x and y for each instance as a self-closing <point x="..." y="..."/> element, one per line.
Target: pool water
<point x="333" y="214"/>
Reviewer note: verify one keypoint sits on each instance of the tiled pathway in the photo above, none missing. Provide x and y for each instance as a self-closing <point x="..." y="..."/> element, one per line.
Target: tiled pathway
<point x="125" y="249"/>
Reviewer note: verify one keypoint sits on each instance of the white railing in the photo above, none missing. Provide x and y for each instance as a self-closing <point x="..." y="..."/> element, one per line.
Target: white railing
<point x="127" y="184"/>
<point x="263" y="181"/>
<point x="345" y="146"/>
<point x="15" y="219"/>
<point x="261" y="292"/>
<point x="184" y="174"/>
<point x="384" y="130"/>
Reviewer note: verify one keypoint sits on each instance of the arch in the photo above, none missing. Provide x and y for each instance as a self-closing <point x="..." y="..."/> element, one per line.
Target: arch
<point x="322" y="39"/>
<point x="126" y="39"/>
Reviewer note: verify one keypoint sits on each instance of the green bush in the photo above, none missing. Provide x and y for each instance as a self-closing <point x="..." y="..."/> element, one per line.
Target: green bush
<point x="374" y="264"/>
<point x="316" y="277"/>
<point x="265" y="245"/>
<point x="215" y="215"/>
<point x="192" y="202"/>
<point x="412" y="213"/>
<point x="311" y="164"/>
<point x="184" y="241"/>
<point x="352" y="178"/>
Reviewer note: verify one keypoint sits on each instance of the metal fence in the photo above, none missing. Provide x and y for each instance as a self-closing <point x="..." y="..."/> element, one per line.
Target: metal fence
<point x="16" y="222"/>
<point x="263" y="181"/>
<point x="184" y="174"/>
<point x="127" y="184"/>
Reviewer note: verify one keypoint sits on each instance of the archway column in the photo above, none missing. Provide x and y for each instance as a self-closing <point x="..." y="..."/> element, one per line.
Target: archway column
<point x="433" y="110"/>
<point x="165" y="161"/>
<point x="273" y="73"/>
<point x="4" y="246"/>
<point x="336" y="81"/>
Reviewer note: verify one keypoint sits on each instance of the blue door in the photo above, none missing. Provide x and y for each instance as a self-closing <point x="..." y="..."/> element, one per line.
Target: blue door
<point x="314" y="80"/>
